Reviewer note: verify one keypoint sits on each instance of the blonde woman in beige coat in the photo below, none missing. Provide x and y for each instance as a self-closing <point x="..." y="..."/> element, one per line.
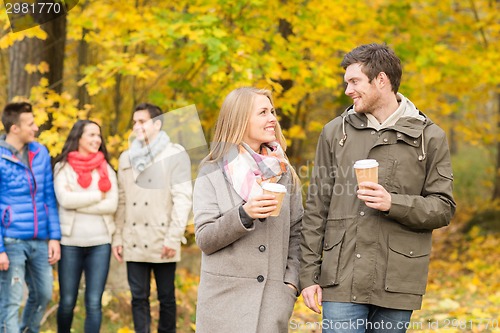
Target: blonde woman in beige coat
<point x="250" y="260"/>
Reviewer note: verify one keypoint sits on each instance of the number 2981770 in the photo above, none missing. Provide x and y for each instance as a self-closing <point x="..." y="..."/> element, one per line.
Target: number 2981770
<point x="33" y="8"/>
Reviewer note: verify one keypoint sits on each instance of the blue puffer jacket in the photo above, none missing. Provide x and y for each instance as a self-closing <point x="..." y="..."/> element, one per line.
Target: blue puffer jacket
<point x="27" y="202"/>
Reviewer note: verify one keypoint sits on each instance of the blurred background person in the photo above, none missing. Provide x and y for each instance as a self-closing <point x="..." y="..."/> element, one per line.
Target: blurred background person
<point x="154" y="180"/>
<point x="29" y="232"/>
<point x="87" y="193"/>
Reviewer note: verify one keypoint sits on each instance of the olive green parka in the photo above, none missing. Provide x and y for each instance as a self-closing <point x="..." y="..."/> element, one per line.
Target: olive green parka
<point x="361" y="255"/>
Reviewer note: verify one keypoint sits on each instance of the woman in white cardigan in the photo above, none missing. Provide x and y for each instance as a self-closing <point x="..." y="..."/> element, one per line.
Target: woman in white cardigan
<point x="87" y="194"/>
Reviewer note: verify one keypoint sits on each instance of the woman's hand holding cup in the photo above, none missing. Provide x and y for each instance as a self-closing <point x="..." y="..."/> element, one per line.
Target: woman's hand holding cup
<point x="260" y="206"/>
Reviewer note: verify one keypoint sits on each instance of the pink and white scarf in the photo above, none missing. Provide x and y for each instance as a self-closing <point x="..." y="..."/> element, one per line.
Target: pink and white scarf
<point x="246" y="169"/>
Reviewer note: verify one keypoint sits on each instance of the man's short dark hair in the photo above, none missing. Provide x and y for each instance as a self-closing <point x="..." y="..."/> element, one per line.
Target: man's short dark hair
<point x="154" y="111"/>
<point x="374" y="59"/>
<point x="12" y="113"/>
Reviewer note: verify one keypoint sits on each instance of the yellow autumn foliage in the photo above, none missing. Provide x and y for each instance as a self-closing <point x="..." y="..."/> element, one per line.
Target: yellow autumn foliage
<point x="194" y="52"/>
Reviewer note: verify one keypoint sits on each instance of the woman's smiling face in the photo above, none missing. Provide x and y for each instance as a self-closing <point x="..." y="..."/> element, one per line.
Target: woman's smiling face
<point x="90" y="141"/>
<point x="261" y="127"/>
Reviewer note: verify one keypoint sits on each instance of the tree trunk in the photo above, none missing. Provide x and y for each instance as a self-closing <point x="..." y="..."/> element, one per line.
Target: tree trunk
<point x="117" y="100"/>
<point x="453" y="135"/>
<point x="496" y="190"/>
<point x="34" y="51"/>
<point x="26" y="51"/>
<point x="83" y="61"/>
<point x="53" y="52"/>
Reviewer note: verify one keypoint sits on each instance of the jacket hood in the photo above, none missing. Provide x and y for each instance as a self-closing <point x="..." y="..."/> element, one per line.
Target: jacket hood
<point x="32" y="148"/>
<point x="5" y="145"/>
<point x="407" y="120"/>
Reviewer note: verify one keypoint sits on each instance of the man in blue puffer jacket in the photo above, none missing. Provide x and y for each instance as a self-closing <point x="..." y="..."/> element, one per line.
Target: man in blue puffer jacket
<point x="29" y="229"/>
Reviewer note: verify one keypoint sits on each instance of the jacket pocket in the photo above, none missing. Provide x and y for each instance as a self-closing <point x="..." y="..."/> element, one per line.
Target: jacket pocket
<point x="390" y="181"/>
<point x="331" y="255"/>
<point x="6" y="217"/>
<point x="445" y="171"/>
<point x="408" y="263"/>
<point x="46" y="211"/>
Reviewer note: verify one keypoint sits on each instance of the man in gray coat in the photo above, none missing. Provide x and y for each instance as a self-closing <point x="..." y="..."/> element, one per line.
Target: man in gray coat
<point x="365" y="252"/>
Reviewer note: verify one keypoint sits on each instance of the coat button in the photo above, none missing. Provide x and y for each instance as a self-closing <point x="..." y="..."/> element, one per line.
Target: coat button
<point x="362" y="125"/>
<point x="362" y="213"/>
<point x="411" y="253"/>
<point x="145" y="224"/>
<point x="373" y="132"/>
<point x="354" y="298"/>
<point x="385" y="140"/>
<point x="146" y="246"/>
<point x="133" y="224"/>
<point x="262" y="248"/>
<point x="145" y="203"/>
<point x="134" y="245"/>
<point x="398" y="135"/>
<point x="134" y="203"/>
<point x="358" y="255"/>
<point x="260" y="278"/>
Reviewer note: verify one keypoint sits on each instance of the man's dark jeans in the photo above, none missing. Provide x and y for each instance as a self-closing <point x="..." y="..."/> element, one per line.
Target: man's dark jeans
<point x="139" y="279"/>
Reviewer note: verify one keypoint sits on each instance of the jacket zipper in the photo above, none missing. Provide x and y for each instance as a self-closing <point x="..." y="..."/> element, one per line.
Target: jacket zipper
<point x="35" y="213"/>
<point x="29" y="175"/>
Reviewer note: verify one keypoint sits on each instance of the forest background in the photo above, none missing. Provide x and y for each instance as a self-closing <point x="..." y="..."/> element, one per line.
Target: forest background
<point x="103" y="57"/>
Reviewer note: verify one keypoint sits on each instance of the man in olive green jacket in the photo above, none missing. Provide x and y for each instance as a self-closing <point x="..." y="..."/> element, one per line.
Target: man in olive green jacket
<point x="365" y="252"/>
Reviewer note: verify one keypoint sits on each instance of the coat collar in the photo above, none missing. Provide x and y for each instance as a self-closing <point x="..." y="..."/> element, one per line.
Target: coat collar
<point x="412" y="127"/>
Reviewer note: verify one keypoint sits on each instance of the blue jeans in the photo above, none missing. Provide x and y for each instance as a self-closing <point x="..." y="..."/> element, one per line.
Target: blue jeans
<point x="360" y="318"/>
<point x="139" y="279"/>
<point x="28" y="264"/>
<point x="93" y="261"/>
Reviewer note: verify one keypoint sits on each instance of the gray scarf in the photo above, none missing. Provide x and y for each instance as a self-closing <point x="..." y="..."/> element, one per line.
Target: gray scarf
<point x="143" y="155"/>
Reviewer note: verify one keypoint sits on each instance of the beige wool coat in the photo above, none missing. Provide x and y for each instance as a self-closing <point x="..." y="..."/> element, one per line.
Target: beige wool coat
<point x="243" y="272"/>
<point x="153" y="206"/>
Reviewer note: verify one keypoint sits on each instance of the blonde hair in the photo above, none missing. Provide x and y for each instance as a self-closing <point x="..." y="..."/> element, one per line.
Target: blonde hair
<point x="233" y="121"/>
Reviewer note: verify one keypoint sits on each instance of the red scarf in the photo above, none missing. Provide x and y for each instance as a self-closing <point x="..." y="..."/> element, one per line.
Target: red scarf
<point x="85" y="164"/>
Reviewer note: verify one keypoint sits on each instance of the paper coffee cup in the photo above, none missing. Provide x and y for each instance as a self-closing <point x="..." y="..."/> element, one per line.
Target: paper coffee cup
<point x="366" y="170"/>
<point x="279" y="191"/>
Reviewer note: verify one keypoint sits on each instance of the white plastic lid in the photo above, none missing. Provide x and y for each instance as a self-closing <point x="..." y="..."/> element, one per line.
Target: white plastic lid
<point x="365" y="164"/>
<point x="273" y="187"/>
